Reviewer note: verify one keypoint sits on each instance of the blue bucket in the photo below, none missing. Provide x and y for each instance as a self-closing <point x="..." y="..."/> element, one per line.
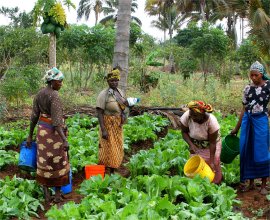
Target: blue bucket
<point x="28" y="157"/>
<point x="67" y="188"/>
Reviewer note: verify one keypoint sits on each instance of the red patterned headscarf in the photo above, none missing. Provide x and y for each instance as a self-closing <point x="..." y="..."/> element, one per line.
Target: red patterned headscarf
<point x="200" y="106"/>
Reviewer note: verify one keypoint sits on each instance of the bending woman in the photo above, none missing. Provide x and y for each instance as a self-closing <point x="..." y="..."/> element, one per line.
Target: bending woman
<point x="52" y="159"/>
<point x="200" y="130"/>
<point x="254" y="137"/>
<point x="110" y="109"/>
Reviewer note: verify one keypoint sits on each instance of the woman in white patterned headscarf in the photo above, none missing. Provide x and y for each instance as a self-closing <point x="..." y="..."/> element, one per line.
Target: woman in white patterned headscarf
<point x="254" y="137"/>
<point x="52" y="159"/>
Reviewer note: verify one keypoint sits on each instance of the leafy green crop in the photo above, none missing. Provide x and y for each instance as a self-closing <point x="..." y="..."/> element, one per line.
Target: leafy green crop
<point x="143" y="127"/>
<point x="169" y="154"/>
<point x="19" y="198"/>
<point x="12" y="137"/>
<point x="150" y="197"/>
<point x="8" y="157"/>
<point x="83" y="136"/>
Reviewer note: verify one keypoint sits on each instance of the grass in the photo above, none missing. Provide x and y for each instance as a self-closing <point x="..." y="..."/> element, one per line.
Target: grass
<point x="171" y="91"/>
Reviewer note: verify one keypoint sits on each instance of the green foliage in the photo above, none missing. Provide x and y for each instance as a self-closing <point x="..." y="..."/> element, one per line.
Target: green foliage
<point x="151" y="59"/>
<point x="19" y="83"/>
<point x="8" y="157"/>
<point x="186" y="36"/>
<point x="135" y="33"/>
<point x="148" y="197"/>
<point x="74" y="37"/>
<point x="100" y="43"/>
<point x="18" y="19"/>
<point x="143" y="127"/>
<point x="187" y="64"/>
<point x="149" y="80"/>
<point x="213" y="43"/>
<point x="24" y="45"/>
<point x="168" y="156"/>
<point x="44" y="8"/>
<point x="247" y="54"/>
<point x="83" y="136"/>
<point x="3" y="107"/>
<point x="14" y="89"/>
<point x="19" y="198"/>
<point x="12" y="136"/>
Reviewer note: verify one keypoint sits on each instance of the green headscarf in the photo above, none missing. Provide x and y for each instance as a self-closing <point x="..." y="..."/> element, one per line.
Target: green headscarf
<point x="53" y="74"/>
<point x="259" y="67"/>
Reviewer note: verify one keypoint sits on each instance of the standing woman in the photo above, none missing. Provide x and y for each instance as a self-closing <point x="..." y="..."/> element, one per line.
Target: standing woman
<point x="254" y="137"/>
<point x="200" y="130"/>
<point x="52" y="159"/>
<point x="110" y="109"/>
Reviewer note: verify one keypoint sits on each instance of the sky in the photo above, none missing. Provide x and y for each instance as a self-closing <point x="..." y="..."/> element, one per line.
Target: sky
<point x="27" y="5"/>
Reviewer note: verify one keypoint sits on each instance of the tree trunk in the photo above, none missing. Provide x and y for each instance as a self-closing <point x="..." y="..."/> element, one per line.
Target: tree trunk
<point x="202" y="7"/>
<point x="52" y="51"/>
<point x="121" y="48"/>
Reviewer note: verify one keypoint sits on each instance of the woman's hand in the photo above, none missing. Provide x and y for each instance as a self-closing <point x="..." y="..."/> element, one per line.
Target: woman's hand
<point x="65" y="145"/>
<point x="123" y="119"/>
<point x="234" y="131"/>
<point x="28" y="141"/>
<point x="105" y="134"/>
<point x="193" y="149"/>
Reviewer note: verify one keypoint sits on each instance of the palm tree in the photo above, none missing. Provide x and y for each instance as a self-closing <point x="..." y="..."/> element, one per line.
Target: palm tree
<point x="169" y="18"/>
<point x="258" y="14"/>
<point x="110" y="11"/>
<point x="86" y="6"/>
<point x="121" y="49"/>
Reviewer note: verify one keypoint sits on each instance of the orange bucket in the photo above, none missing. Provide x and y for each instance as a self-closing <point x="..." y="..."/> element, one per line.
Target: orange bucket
<point x="94" y="170"/>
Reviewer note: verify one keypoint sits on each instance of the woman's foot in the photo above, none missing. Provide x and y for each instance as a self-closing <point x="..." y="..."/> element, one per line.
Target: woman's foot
<point x="108" y="170"/>
<point x="263" y="191"/>
<point x="247" y="188"/>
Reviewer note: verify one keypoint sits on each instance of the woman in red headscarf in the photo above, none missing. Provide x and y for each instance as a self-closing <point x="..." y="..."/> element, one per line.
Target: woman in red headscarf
<point x="200" y="130"/>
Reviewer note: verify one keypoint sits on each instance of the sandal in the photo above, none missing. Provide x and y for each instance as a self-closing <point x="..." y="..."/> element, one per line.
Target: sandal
<point x="263" y="191"/>
<point x="247" y="188"/>
<point x="56" y="201"/>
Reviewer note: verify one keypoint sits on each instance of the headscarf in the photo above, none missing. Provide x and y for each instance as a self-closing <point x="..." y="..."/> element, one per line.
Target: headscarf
<point x="259" y="67"/>
<point x="200" y="107"/>
<point x="114" y="74"/>
<point x="53" y="74"/>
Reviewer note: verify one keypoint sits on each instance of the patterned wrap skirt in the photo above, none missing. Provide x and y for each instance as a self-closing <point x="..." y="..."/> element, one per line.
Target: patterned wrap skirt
<point x="52" y="160"/>
<point x="111" y="151"/>
<point x="254" y="147"/>
<point x="205" y="154"/>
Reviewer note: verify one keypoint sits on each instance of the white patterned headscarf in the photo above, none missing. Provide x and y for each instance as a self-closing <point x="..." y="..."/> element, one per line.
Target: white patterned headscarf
<point x="53" y="74"/>
<point x="259" y="67"/>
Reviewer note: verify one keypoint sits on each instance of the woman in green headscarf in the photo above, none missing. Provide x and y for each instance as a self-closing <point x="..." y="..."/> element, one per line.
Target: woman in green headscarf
<point x="52" y="160"/>
<point x="254" y="137"/>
